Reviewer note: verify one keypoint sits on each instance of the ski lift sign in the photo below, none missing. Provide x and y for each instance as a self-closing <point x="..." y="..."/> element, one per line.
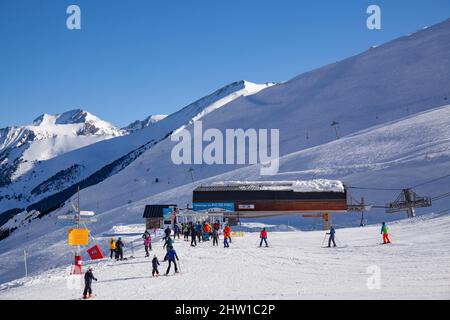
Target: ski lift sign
<point x="78" y="237"/>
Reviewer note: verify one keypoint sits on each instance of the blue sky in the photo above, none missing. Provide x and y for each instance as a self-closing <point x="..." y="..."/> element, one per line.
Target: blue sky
<point x="140" y="57"/>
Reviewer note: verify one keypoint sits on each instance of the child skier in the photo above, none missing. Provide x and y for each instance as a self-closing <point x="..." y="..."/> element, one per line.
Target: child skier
<point x="147" y="243"/>
<point x="263" y="237"/>
<point x="88" y="277"/>
<point x="112" y="247"/>
<point x="171" y="256"/>
<point x="385" y="233"/>
<point x="331" y="233"/>
<point x="155" y="264"/>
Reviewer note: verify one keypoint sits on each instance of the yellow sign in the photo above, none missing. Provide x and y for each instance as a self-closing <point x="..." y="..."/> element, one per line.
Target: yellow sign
<point x="78" y="237"/>
<point x="238" y="234"/>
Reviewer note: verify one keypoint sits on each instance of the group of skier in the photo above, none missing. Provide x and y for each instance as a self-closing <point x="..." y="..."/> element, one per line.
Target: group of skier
<point x="332" y="235"/>
<point x="116" y="248"/>
<point x="205" y="232"/>
<point x="202" y="232"/>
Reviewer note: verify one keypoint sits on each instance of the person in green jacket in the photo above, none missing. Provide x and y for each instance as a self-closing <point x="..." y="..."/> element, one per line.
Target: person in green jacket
<point x="385" y="233"/>
<point x="168" y="244"/>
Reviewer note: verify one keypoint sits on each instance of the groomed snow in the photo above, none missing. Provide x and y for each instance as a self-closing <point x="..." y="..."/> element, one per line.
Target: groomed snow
<point x="294" y="267"/>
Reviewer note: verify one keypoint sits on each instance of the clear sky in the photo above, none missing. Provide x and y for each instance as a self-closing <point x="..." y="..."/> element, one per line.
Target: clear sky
<point x="140" y="57"/>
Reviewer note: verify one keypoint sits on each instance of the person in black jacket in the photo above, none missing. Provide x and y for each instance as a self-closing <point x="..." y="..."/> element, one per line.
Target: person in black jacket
<point x="88" y="277"/>
<point x="155" y="264"/>
<point x="193" y="235"/>
<point x="215" y="236"/>
<point x="119" y="249"/>
<point x="167" y="233"/>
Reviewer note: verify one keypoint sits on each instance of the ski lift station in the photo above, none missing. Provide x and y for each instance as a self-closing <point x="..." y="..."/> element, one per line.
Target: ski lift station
<point x="237" y="200"/>
<point x="256" y="199"/>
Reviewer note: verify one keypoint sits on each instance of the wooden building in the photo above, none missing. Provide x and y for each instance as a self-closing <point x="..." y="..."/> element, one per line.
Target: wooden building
<point x="154" y="215"/>
<point x="263" y="199"/>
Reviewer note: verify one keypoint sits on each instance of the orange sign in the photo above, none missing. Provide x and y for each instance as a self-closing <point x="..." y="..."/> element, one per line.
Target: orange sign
<point x="78" y="237"/>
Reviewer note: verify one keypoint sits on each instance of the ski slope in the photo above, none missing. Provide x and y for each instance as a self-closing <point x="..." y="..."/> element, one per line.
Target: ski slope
<point x="373" y="90"/>
<point x="392" y="105"/>
<point x="295" y="266"/>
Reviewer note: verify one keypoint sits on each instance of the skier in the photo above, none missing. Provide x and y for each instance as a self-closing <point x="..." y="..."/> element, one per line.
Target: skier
<point x="167" y="232"/>
<point x="155" y="264"/>
<point x="147" y="242"/>
<point x="385" y="233"/>
<point x="176" y="231"/>
<point x="207" y="230"/>
<point x="186" y="232"/>
<point x="215" y="236"/>
<point x="198" y="230"/>
<point x="216" y="226"/>
<point x="193" y="235"/>
<point x="112" y="247"/>
<point x="168" y="244"/>
<point x="88" y="277"/>
<point x="171" y="256"/>
<point x="263" y="237"/>
<point x="227" y="231"/>
<point x="331" y="234"/>
<point x="225" y="240"/>
<point x="119" y="249"/>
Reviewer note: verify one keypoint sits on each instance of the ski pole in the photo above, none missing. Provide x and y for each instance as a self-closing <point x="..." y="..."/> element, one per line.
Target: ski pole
<point x="324" y="238"/>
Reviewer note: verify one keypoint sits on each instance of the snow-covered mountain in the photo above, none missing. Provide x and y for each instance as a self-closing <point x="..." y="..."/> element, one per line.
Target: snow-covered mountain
<point x="370" y="91"/>
<point x="48" y="182"/>
<point x="47" y="137"/>
<point x="141" y="124"/>
<point x="391" y="103"/>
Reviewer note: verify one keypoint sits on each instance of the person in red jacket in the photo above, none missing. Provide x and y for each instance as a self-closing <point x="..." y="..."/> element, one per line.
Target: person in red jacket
<point x="227" y="233"/>
<point x="263" y="237"/>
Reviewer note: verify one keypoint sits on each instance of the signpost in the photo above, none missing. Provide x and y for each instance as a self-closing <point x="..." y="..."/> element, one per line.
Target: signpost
<point x="77" y="236"/>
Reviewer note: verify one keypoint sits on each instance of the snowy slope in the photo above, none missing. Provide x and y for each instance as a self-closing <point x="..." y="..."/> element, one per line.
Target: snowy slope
<point x="391" y="82"/>
<point x="294" y="267"/>
<point x="58" y="173"/>
<point x="141" y="124"/>
<point x="394" y="167"/>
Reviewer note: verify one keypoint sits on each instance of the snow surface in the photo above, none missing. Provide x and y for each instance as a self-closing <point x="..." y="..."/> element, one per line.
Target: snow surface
<point x="295" y="266"/>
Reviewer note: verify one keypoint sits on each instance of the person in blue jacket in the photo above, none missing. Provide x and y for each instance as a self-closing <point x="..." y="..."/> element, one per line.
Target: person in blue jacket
<point x="198" y="230"/>
<point x="331" y="233"/>
<point x="171" y="256"/>
<point x="176" y="231"/>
